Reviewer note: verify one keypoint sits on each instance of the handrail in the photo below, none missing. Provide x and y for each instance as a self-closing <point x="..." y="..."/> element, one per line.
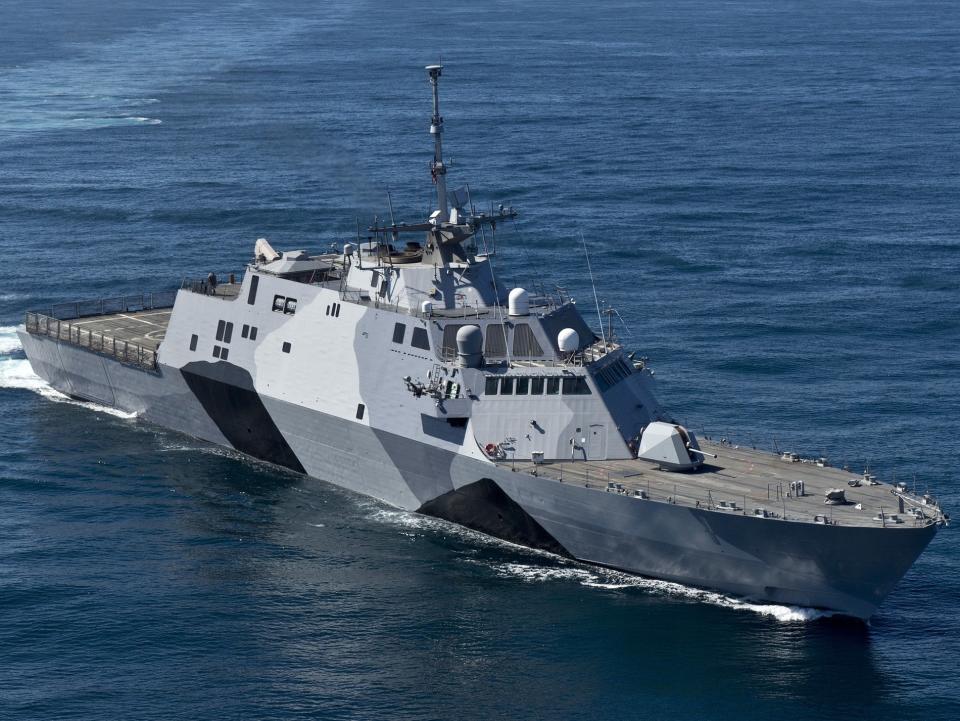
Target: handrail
<point x="124" y="351"/>
<point x="778" y="504"/>
<point x="107" y="306"/>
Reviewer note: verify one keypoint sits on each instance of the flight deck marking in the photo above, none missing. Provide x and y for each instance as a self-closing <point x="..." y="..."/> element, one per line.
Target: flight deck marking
<point x="139" y="320"/>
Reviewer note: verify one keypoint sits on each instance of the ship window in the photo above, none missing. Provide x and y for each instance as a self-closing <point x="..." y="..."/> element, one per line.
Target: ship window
<point x="506" y="386"/>
<point x="216" y="351"/>
<point x="374" y="276"/>
<point x="228" y="333"/>
<point x="449" y="344"/>
<point x="328" y="309"/>
<point x="291" y="306"/>
<point x="336" y="310"/>
<point x="285" y="347"/>
<point x="553" y="386"/>
<point x="420" y="339"/>
<point x="399" y="330"/>
<point x="193" y="341"/>
<point x="496" y="343"/>
<point x="523" y="386"/>
<point x="221" y="325"/>
<point x="492" y="385"/>
<point x="525" y="342"/>
<point x="278" y="303"/>
<point x="253" y="332"/>
<point x="360" y="409"/>
<point x="536" y="386"/>
<point x="252" y="294"/>
<point x="245" y="331"/>
<point x="576" y="386"/>
<point x="224" y="352"/>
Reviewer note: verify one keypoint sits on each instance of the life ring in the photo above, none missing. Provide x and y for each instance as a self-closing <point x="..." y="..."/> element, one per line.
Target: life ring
<point x="490" y="449"/>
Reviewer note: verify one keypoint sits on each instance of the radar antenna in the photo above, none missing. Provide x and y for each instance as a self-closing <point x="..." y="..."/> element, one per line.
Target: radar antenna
<point x="437" y="169"/>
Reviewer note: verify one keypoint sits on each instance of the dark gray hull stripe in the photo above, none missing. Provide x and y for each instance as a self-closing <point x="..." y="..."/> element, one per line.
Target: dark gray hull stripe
<point x="485" y="507"/>
<point x="239" y="413"/>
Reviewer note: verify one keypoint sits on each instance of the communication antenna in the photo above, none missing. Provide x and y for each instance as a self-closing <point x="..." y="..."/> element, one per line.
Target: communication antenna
<point x="437" y="169"/>
<point x="595" y="299"/>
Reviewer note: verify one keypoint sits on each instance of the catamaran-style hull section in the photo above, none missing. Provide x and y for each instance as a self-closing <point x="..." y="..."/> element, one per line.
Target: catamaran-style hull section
<point x="843" y="568"/>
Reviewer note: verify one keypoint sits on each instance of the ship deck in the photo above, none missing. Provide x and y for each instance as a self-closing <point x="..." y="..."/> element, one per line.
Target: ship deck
<point x="749" y="482"/>
<point x="145" y="328"/>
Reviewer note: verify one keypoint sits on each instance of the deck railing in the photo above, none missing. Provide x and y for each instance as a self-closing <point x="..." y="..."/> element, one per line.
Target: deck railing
<point x="124" y="351"/>
<point x="107" y="306"/>
<point x="776" y="503"/>
<point x="55" y="323"/>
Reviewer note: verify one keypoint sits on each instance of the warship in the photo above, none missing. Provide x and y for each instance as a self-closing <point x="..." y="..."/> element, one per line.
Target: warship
<point x="409" y="373"/>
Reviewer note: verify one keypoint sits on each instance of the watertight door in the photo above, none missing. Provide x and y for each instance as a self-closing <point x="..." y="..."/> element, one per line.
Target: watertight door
<point x="597" y="442"/>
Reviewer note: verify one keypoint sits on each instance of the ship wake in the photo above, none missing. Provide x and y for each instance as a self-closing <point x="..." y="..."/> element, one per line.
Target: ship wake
<point x="547" y="568"/>
<point x="16" y="373"/>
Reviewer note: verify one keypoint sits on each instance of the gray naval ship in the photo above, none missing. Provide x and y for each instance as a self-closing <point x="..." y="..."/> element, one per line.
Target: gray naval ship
<point x="406" y="372"/>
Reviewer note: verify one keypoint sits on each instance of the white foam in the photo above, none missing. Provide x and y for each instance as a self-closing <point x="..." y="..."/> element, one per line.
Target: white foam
<point x="614" y="580"/>
<point x="145" y="121"/>
<point x="16" y="373"/>
<point x="9" y="340"/>
<point x="588" y="576"/>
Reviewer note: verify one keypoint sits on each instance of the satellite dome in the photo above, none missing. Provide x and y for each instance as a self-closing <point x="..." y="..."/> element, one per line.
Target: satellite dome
<point x="519" y="302"/>
<point x="568" y="340"/>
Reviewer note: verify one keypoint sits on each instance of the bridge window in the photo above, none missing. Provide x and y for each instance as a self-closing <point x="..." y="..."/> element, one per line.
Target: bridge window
<point x="399" y="330"/>
<point x="420" y="339"/>
<point x="253" y="332"/>
<point x="576" y="386"/>
<point x="285" y="347"/>
<point x="221" y="326"/>
<point x="506" y="386"/>
<point x="491" y="386"/>
<point x="228" y="333"/>
<point x="496" y="342"/>
<point x="525" y="343"/>
<point x="536" y="386"/>
<point x="252" y="294"/>
<point x="553" y="386"/>
<point x="245" y="331"/>
<point x="449" y="343"/>
<point x="523" y="386"/>
<point x="193" y="341"/>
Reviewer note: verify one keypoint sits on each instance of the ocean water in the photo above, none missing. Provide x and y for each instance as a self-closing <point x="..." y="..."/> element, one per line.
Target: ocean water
<point x="769" y="193"/>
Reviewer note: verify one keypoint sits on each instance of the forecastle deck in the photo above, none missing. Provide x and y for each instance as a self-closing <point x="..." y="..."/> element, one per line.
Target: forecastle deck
<point x="750" y="482"/>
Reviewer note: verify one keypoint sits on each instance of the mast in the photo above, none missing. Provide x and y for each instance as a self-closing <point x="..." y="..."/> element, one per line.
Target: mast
<point x="437" y="169"/>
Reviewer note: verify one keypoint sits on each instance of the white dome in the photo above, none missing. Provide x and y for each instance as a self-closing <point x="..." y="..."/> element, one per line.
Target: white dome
<point x="519" y="302"/>
<point x="470" y="346"/>
<point x="568" y="340"/>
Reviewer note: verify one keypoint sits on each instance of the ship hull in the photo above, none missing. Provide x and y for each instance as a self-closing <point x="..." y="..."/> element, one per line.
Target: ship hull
<point x="846" y="569"/>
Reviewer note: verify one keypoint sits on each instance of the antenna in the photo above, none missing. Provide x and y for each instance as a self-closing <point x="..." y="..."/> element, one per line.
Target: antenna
<point x="595" y="299"/>
<point x="437" y="169"/>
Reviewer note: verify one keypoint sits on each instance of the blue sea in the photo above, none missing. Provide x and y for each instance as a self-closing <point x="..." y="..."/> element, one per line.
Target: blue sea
<point x="770" y="195"/>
